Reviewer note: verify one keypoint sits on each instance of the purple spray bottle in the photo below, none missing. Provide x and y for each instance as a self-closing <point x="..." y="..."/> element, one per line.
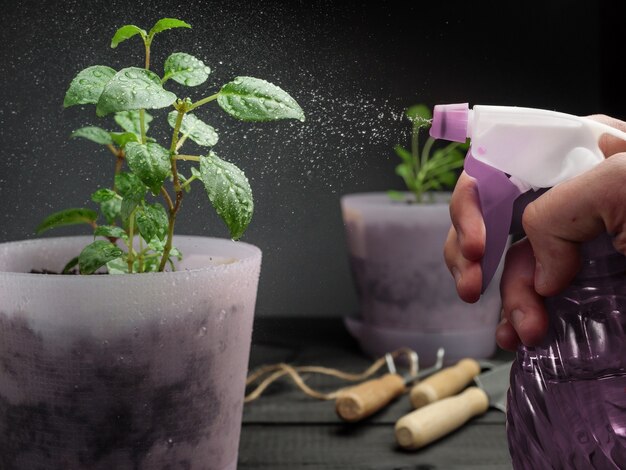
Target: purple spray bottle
<point x="567" y="398"/>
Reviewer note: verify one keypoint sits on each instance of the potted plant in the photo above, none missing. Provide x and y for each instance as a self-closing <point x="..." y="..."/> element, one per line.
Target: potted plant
<point x="142" y="367"/>
<point x="407" y="297"/>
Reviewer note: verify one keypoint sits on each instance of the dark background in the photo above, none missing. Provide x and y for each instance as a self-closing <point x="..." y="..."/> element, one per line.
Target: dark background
<point x="353" y="68"/>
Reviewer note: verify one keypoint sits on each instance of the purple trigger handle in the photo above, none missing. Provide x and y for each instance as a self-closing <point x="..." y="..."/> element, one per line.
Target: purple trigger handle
<point x="497" y="197"/>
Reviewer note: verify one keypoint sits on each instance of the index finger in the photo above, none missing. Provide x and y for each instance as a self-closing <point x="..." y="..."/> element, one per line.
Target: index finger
<point x="467" y="218"/>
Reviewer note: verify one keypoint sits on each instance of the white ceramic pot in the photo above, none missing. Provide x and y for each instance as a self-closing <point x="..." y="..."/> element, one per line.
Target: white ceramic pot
<point x="406" y="294"/>
<point x="141" y="371"/>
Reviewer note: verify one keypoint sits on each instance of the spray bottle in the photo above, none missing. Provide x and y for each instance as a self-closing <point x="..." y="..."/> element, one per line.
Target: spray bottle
<point x="567" y="398"/>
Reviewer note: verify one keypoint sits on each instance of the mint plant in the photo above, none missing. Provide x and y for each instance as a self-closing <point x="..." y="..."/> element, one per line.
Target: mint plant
<point x="422" y="171"/>
<point x="145" y="169"/>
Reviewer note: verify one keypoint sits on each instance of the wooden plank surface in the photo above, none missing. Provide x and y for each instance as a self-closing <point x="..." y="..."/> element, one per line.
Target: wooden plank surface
<point x="291" y="447"/>
<point x="285" y="429"/>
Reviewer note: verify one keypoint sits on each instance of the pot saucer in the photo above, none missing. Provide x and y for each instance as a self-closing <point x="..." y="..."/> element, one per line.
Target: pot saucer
<point x="376" y="341"/>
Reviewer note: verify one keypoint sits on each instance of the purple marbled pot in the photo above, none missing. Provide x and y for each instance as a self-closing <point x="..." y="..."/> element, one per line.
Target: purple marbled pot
<point x="407" y="296"/>
<point x="115" y="372"/>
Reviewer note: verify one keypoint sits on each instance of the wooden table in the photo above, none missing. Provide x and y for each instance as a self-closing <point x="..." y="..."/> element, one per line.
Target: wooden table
<point x="287" y="430"/>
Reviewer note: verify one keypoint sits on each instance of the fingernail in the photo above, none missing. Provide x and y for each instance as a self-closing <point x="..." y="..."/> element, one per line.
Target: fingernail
<point x="517" y="317"/>
<point x="456" y="274"/>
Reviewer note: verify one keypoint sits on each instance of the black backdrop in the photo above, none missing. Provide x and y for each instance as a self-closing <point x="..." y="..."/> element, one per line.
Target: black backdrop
<point x="353" y="66"/>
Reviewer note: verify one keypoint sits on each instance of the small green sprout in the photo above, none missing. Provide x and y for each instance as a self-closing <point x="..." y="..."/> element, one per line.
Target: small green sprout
<point x="421" y="171"/>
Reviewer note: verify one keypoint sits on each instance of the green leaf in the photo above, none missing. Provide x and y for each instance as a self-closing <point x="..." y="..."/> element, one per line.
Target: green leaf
<point x="448" y="178"/>
<point x="110" y="231"/>
<point x="95" y="134"/>
<point x="130" y="122"/>
<point x="103" y="195"/>
<point x="127" y="32"/>
<point x="167" y="23"/>
<point x="404" y="154"/>
<point x="253" y="99"/>
<point x="197" y="130"/>
<point x="404" y="170"/>
<point x="110" y="203"/>
<point x="71" y="264"/>
<point x="122" y="138"/>
<point x="229" y="192"/>
<point x="111" y="209"/>
<point x="87" y="86"/>
<point x="67" y="217"/>
<point x="150" y="265"/>
<point x="117" y="266"/>
<point x="418" y="113"/>
<point x="133" y="192"/>
<point x="152" y="221"/>
<point x="432" y="184"/>
<point x="96" y="255"/>
<point x="185" y="69"/>
<point x="128" y="183"/>
<point x="133" y="88"/>
<point x="150" y="162"/>
<point x="396" y="195"/>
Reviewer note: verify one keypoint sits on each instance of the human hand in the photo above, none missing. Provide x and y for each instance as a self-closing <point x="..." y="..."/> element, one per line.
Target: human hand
<point x="555" y="224"/>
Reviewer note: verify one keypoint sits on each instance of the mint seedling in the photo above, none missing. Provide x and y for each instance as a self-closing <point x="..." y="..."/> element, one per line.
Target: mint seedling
<point x="423" y="169"/>
<point x="138" y="233"/>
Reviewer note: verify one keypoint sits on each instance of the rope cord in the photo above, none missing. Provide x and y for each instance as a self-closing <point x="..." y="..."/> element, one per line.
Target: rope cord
<point x="266" y="375"/>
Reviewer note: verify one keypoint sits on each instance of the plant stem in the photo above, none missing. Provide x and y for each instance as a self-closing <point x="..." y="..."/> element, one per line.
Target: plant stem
<point x="168" y="199"/>
<point x="131" y="235"/>
<point x="177" y="187"/>
<point x="119" y="161"/>
<point x="415" y="143"/>
<point x="147" y="64"/>
<point x="426" y="150"/>
<point x="113" y="149"/>
<point x="142" y="125"/>
<point x="181" y="141"/>
<point x="140" y="256"/>
<point x="142" y="112"/>
<point x="203" y="101"/>
<point x="188" y="182"/>
<point x="191" y="158"/>
<point x="416" y="162"/>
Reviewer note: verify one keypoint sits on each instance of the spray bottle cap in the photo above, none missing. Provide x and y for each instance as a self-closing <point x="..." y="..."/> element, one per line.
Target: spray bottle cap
<point x="450" y="122"/>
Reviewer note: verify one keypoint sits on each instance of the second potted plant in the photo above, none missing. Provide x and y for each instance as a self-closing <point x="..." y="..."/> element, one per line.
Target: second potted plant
<point x="407" y="297"/>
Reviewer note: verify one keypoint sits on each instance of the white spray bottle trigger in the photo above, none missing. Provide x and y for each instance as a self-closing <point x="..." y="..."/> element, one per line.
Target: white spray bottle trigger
<point x="537" y="148"/>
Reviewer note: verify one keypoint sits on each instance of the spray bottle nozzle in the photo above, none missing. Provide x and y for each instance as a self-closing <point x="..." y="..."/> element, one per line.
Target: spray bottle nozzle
<point x="450" y="122"/>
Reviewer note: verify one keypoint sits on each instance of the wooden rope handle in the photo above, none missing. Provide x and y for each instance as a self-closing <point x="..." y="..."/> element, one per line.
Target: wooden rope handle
<point x="358" y="402"/>
<point x="433" y="421"/>
<point x="444" y="383"/>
